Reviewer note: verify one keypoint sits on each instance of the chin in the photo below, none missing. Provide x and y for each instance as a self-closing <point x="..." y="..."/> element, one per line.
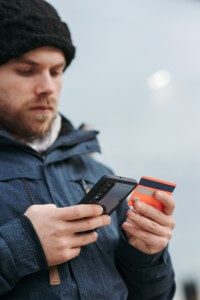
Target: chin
<point x="40" y="131"/>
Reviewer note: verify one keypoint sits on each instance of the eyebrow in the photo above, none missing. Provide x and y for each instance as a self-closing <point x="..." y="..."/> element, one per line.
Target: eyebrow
<point x="24" y="60"/>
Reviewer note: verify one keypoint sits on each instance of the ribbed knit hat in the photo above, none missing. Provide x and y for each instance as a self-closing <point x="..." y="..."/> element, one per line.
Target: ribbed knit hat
<point x="29" y="24"/>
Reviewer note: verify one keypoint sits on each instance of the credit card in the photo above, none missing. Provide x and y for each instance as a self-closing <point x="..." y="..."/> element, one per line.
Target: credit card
<point x="146" y="188"/>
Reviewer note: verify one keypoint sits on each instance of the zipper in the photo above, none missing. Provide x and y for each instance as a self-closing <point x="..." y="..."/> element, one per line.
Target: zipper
<point x="28" y="190"/>
<point x="54" y="276"/>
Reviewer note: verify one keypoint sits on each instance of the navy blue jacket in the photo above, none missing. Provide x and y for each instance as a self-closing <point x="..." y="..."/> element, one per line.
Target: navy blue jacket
<point x="107" y="269"/>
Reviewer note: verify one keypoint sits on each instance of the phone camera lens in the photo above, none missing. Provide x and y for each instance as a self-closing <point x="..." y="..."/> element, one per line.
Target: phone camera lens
<point x="98" y="196"/>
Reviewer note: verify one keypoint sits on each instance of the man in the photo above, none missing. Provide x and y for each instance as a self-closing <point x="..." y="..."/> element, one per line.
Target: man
<point x="50" y="247"/>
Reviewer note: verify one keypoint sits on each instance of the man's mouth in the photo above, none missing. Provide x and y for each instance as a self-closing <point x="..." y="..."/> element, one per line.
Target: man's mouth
<point x="42" y="108"/>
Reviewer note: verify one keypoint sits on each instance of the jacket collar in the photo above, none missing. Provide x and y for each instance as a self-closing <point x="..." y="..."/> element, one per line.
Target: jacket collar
<point x="70" y="142"/>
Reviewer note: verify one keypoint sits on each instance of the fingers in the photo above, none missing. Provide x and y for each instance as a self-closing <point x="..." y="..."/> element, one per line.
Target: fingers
<point x="149" y="229"/>
<point x="153" y="214"/>
<point x="147" y="225"/>
<point x="70" y="251"/>
<point x="84" y="239"/>
<point x="89" y="223"/>
<point x="143" y="240"/>
<point x="167" y="200"/>
<point x="79" y="211"/>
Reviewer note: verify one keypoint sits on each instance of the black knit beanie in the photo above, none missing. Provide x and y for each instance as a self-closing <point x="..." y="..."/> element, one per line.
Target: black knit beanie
<point x="29" y="24"/>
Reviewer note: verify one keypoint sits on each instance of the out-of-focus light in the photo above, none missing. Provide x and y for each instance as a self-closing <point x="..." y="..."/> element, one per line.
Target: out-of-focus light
<point x="159" y="80"/>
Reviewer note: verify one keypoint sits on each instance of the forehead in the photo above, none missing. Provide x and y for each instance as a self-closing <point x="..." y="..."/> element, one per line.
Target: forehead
<point x="42" y="56"/>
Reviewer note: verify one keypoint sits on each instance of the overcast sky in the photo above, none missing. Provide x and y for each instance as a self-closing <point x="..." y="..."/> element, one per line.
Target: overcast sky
<point x="136" y="80"/>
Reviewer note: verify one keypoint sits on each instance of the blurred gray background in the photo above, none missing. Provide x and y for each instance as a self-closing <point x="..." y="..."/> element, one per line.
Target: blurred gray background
<point x="136" y="79"/>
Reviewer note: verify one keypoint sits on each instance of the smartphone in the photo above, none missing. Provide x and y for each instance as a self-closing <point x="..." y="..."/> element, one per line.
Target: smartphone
<point x="109" y="192"/>
<point x="146" y="188"/>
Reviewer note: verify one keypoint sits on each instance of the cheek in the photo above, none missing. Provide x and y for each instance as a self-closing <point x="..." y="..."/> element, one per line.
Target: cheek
<point x="22" y="88"/>
<point x="16" y="87"/>
<point x="12" y="98"/>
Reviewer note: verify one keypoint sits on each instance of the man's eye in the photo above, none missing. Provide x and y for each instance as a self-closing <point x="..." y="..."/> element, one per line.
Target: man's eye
<point x="25" y="72"/>
<point x="56" y="72"/>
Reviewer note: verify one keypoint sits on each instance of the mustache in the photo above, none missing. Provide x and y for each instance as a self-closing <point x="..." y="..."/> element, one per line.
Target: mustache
<point x="46" y="101"/>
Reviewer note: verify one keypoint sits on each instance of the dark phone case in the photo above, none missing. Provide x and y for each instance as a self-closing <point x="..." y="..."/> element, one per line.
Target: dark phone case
<point x="101" y="189"/>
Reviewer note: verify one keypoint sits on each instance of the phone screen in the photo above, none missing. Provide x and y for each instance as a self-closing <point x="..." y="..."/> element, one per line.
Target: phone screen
<point x="115" y="195"/>
<point x="109" y="192"/>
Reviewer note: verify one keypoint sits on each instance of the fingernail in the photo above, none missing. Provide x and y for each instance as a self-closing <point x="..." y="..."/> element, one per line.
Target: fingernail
<point x="96" y="234"/>
<point x="159" y="195"/>
<point x="100" y="209"/>
<point x="109" y="219"/>
<point x="136" y="199"/>
<point x="138" y="204"/>
<point x="131" y="212"/>
<point x="126" y="224"/>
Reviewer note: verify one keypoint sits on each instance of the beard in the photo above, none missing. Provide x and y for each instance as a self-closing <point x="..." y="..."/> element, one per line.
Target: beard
<point x="29" y="121"/>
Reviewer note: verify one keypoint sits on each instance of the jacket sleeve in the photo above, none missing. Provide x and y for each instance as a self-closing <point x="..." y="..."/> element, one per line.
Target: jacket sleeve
<point x="19" y="254"/>
<point x="148" y="277"/>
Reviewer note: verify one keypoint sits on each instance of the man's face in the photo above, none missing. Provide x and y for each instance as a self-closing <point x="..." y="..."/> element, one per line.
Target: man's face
<point x="29" y="92"/>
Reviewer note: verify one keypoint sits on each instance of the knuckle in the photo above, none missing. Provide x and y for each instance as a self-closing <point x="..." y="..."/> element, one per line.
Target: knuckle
<point x="146" y="236"/>
<point x="58" y="230"/>
<point x="57" y="234"/>
<point x="153" y="226"/>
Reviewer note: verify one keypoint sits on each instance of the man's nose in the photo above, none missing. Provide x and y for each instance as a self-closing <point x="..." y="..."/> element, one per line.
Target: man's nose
<point x="45" y="84"/>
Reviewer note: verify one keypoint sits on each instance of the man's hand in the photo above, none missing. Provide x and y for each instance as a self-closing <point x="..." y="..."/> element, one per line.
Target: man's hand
<point x="148" y="229"/>
<point x="61" y="230"/>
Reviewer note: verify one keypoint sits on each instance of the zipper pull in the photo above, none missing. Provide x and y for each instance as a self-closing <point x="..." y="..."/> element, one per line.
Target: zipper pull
<point x="54" y="276"/>
<point x="85" y="186"/>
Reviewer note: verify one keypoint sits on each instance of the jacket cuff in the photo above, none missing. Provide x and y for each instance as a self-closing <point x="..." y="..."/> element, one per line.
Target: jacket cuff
<point x="21" y="249"/>
<point x="28" y="227"/>
<point x="136" y="258"/>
